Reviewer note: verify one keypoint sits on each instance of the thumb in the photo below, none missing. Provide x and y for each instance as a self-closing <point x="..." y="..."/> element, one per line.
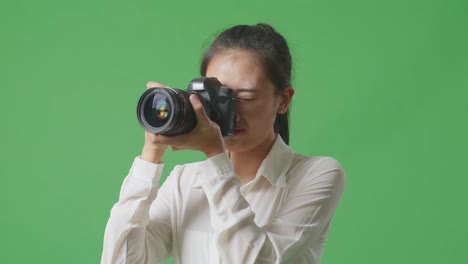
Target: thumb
<point x="197" y="105"/>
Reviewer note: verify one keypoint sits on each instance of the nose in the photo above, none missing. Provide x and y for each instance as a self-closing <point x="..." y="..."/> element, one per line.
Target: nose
<point x="237" y="117"/>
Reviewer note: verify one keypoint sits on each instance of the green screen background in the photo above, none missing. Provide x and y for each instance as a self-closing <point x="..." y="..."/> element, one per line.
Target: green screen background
<point x="380" y="85"/>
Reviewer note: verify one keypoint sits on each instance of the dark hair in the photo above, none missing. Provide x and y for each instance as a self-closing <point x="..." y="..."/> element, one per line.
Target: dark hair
<point x="272" y="52"/>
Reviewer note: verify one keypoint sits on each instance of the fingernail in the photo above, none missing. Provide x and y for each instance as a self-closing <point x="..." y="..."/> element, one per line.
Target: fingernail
<point x="193" y="98"/>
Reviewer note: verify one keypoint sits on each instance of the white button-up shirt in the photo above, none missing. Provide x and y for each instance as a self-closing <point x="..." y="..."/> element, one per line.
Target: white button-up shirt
<point x="202" y="214"/>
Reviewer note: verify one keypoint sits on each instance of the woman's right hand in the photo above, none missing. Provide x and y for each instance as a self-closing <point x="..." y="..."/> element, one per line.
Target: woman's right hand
<point x="153" y="151"/>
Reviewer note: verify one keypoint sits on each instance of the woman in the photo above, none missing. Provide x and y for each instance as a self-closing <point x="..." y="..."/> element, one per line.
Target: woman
<point x="253" y="200"/>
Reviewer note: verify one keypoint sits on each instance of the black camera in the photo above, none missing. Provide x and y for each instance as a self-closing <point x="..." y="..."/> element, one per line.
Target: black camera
<point x="168" y="111"/>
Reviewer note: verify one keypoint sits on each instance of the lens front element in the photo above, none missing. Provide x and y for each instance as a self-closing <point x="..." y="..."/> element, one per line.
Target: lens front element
<point x="158" y="111"/>
<point x="165" y="111"/>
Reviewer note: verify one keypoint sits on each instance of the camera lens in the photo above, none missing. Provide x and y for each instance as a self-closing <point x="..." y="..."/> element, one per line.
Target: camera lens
<point x="157" y="111"/>
<point x="166" y="111"/>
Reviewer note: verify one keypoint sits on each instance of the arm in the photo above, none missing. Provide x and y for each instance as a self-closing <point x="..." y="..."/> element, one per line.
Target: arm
<point x="128" y="238"/>
<point x="133" y="235"/>
<point x="127" y="234"/>
<point x="307" y="209"/>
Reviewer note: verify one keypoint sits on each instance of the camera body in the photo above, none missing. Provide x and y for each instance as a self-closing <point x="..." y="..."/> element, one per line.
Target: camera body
<point x="168" y="111"/>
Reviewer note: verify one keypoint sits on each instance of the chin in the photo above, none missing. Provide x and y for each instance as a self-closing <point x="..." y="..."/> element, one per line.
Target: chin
<point x="235" y="144"/>
<point x="245" y="142"/>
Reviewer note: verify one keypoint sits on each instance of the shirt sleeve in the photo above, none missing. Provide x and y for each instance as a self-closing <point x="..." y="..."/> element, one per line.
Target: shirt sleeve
<point x="305" y="213"/>
<point x="128" y="236"/>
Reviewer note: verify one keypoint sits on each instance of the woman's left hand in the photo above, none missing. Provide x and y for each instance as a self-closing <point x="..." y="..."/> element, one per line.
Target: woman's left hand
<point x="205" y="137"/>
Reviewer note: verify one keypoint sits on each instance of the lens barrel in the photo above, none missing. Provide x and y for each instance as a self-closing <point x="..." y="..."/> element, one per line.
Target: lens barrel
<point x="166" y="111"/>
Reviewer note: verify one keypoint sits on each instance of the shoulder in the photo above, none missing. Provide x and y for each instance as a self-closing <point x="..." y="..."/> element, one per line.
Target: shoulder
<point x="313" y="170"/>
<point x="314" y="163"/>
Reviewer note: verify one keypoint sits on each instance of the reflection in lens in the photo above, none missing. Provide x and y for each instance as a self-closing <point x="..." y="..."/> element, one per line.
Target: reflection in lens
<point x="157" y="113"/>
<point x="162" y="107"/>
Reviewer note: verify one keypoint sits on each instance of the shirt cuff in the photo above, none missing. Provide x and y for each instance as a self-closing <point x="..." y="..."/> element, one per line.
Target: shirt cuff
<point x="216" y="168"/>
<point x="146" y="171"/>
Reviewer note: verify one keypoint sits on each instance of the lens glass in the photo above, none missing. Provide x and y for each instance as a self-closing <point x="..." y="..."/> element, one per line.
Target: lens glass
<point x="158" y="112"/>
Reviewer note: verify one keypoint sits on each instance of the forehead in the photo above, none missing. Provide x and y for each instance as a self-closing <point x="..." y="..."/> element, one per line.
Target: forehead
<point x="238" y="69"/>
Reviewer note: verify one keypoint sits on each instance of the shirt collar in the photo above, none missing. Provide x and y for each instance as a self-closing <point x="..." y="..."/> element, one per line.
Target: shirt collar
<point x="277" y="163"/>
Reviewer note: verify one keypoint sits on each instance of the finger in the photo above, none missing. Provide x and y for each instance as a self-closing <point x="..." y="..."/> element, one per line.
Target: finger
<point x="155" y="138"/>
<point x="202" y="118"/>
<point x="152" y="84"/>
<point x="174" y="141"/>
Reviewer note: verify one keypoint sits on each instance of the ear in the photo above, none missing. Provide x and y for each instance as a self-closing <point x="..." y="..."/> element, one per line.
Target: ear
<point x="285" y="99"/>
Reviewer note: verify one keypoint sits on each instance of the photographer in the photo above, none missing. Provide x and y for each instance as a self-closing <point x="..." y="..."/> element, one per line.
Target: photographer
<point x="253" y="200"/>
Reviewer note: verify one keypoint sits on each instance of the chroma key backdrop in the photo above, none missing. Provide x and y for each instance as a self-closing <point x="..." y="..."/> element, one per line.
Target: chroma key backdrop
<point x="382" y="86"/>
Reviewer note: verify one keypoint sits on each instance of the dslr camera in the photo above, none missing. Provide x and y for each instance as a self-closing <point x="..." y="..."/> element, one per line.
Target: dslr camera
<point x="168" y="111"/>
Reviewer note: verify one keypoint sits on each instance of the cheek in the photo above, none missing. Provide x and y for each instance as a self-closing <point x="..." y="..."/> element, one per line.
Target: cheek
<point x="257" y="111"/>
<point x="246" y="108"/>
